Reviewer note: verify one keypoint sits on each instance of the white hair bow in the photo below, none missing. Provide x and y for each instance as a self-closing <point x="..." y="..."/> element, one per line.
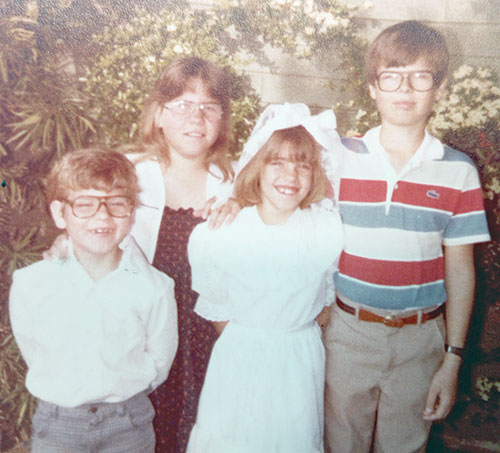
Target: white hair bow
<point x="283" y="116"/>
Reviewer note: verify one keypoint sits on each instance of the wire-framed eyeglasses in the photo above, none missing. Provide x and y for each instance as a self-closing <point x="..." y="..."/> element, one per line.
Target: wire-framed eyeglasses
<point x="87" y="206"/>
<point x="210" y="110"/>
<point x="418" y="80"/>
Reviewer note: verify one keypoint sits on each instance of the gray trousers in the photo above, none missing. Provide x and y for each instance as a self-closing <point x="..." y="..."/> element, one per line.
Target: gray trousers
<point x="91" y="428"/>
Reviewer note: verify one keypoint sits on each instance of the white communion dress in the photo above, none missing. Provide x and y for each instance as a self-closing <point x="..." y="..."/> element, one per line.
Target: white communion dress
<point x="263" y="392"/>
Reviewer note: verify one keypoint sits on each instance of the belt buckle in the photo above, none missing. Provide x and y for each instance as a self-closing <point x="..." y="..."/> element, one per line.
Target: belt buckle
<point x="393" y="321"/>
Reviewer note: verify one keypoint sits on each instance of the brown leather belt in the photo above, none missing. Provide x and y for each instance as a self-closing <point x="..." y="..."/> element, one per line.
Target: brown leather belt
<point x="390" y="320"/>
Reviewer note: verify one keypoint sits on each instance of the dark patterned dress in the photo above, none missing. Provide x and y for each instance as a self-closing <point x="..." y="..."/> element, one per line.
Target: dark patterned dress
<point x="176" y="400"/>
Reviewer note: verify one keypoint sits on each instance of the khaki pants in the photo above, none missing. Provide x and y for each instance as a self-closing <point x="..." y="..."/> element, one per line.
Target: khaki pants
<point x="377" y="378"/>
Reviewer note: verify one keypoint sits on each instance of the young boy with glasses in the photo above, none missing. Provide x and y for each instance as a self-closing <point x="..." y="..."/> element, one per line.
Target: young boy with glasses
<point x="412" y="210"/>
<point x="98" y="331"/>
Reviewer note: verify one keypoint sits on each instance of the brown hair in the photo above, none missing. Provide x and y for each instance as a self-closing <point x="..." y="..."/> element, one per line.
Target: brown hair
<point x="96" y="168"/>
<point x="173" y="81"/>
<point x="403" y="44"/>
<point x="303" y="148"/>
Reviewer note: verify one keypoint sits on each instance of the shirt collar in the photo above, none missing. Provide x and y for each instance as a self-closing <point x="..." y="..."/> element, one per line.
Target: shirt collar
<point x="128" y="262"/>
<point x="430" y="148"/>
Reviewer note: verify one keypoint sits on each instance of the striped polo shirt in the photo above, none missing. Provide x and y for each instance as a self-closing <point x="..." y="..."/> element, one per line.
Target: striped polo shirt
<point x="396" y="225"/>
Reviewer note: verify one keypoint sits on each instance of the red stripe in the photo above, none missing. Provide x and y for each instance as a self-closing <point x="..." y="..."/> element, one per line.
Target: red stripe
<point x="428" y="196"/>
<point x="362" y="191"/>
<point x="470" y="201"/>
<point x="391" y="273"/>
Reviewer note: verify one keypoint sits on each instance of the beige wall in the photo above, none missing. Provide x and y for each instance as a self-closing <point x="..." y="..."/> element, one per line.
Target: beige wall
<point x="471" y="27"/>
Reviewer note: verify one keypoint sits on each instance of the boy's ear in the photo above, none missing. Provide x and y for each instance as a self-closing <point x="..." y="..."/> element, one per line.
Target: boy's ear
<point x="56" y="209"/>
<point x="373" y="91"/>
<point x="440" y="90"/>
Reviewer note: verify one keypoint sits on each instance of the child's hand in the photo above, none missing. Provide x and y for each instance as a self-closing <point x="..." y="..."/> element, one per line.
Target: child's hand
<point x="224" y="214"/>
<point x="217" y="216"/>
<point x="324" y="317"/>
<point x="205" y="211"/>
<point x="219" y="325"/>
<point x="443" y="389"/>
<point x="58" y="249"/>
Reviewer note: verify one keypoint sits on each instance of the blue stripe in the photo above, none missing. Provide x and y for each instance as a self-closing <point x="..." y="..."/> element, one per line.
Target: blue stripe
<point x="354" y="144"/>
<point x="391" y="298"/>
<point x="452" y="155"/>
<point x="473" y="224"/>
<point x="399" y="217"/>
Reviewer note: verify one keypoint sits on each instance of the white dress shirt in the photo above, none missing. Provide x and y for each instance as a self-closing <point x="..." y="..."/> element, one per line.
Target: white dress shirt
<point x="87" y="341"/>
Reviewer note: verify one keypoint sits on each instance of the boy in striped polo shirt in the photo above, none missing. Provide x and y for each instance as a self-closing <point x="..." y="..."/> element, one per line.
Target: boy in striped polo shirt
<point x="412" y="210"/>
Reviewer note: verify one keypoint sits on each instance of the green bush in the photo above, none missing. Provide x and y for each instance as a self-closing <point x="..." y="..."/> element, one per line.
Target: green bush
<point x="72" y="75"/>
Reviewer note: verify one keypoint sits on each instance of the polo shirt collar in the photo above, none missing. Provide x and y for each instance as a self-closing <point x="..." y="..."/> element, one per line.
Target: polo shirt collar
<point x="430" y="148"/>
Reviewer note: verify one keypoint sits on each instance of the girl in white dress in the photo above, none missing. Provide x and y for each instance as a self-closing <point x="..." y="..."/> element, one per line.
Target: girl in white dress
<point x="263" y="280"/>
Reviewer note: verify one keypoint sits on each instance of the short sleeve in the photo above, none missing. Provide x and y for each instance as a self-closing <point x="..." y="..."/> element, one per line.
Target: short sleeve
<point x="468" y="224"/>
<point x="208" y="279"/>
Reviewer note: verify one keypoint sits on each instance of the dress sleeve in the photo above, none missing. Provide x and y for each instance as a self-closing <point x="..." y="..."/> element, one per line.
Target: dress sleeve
<point x="209" y="280"/>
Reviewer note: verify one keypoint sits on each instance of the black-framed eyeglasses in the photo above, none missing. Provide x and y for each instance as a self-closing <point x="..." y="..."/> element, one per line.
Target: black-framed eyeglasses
<point x="210" y="110"/>
<point x="87" y="206"/>
<point x="418" y="80"/>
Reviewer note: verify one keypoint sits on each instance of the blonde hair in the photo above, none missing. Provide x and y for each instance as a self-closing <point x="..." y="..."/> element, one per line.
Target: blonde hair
<point x="173" y="81"/>
<point x="403" y="44"/>
<point x="303" y="148"/>
<point x="96" y="168"/>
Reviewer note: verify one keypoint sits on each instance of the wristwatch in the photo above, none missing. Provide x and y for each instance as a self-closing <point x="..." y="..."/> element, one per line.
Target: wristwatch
<point x="455" y="350"/>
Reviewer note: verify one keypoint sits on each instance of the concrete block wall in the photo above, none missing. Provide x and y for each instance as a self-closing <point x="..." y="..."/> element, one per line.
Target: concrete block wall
<point x="471" y="27"/>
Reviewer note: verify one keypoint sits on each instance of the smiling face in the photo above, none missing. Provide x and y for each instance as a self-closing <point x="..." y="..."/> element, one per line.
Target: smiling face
<point x="95" y="238"/>
<point x="406" y="107"/>
<point x="284" y="184"/>
<point x="189" y="136"/>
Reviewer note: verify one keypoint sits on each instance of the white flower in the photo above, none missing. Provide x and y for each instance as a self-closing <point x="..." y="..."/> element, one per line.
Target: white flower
<point x="462" y="71"/>
<point x="483" y="72"/>
<point x="360" y="114"/>
<point x="345" y="22"/>
<point x="171" y="27"/>
<point x="178" y="48"/>
<point x="475" y="118"/>
<point x="454" y="99"/>
<point x="309" y="7"/>
<point x="494" y="186"/>
<point x="309" y="31"/>
<point x="457" y="118"/>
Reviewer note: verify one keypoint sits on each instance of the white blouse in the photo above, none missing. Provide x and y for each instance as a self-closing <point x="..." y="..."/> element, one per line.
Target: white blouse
<point x="149" y="213"/>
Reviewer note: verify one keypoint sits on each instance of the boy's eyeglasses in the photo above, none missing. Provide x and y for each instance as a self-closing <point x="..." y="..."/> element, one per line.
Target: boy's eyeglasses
<point x="87" y="206"/>
<point x="418" y="80"/>
<point x="210" y="110"/>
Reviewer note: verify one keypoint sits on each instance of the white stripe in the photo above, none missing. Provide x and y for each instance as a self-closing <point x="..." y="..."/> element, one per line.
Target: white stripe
<point x="392" y="244"/>
<point x="451" y="174"/>
<point x="467" y="240"/>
